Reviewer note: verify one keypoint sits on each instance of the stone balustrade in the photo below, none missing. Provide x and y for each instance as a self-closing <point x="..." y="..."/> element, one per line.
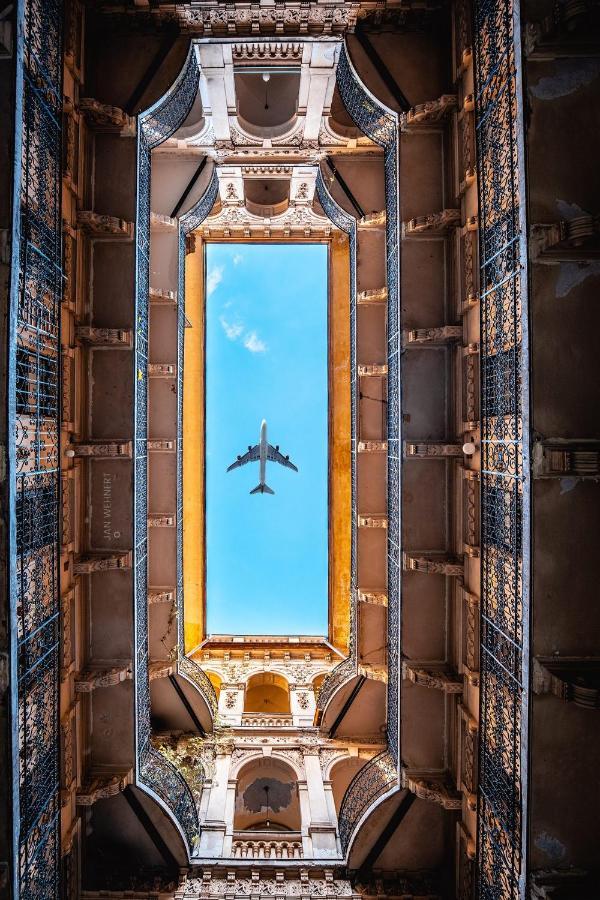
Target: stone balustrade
<point x="267" y="847"/>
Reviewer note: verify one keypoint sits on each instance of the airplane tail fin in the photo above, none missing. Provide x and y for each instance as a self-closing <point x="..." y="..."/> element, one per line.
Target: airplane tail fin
<point x="262" y="489"/>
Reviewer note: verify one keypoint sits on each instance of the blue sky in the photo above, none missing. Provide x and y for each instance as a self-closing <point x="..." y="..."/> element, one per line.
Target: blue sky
<point x="266" y="357"/>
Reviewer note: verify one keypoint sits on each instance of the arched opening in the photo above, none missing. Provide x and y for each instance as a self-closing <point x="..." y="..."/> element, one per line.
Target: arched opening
<point x="267" y="692"/>
<point x="317" y="682"/>
<point x="216" y="682"/>
<point x="341" y="775"/>
<point x="267" y="196"/>
<point x="267" y="100"/>
<point x="266" y="798"/>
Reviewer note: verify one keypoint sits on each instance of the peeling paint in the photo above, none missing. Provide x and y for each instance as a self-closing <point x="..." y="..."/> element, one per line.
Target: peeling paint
<point x="567" y="484"/>
<point x="571" y="77"/>
<point x="573" y="274"/>
<point x="551" y="846"/>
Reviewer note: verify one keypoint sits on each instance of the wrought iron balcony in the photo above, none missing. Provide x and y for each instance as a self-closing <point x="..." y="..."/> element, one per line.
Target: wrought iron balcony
<point x="374" y="780"/>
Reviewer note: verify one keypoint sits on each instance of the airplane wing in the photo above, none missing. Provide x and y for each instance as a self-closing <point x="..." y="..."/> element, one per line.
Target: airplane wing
<point x="275" y="456"/>
<point x="251" y="456"/>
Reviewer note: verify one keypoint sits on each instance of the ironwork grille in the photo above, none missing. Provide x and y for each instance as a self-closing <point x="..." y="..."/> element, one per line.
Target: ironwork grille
<point x="505" y="476"/>
<point x="369" y="784"/>
<point x="34" y="344"/>
<point x="154" y="126"/>
<point x="381" y="124"/>
<point x="348" y="667"/>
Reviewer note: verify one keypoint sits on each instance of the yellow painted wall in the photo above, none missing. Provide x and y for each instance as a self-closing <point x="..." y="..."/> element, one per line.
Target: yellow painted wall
<point x="340" y="480"/>
<point x="193" y="451"/>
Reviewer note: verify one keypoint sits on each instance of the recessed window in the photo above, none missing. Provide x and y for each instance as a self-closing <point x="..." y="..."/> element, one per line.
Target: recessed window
<point x="266" y="379"/>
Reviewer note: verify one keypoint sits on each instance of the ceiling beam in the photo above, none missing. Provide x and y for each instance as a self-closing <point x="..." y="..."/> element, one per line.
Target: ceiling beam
<point x="190" y="185"/>
<point x="188" y="706"/>
<point x="381" y="69"/>
<point x="387" y="833"/>
<point x="342" y="713"/>
<point x="342" y="183"/>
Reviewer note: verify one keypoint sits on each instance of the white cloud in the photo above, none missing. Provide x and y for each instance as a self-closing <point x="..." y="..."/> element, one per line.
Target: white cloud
<point x="253" y="343"/>
<point x="214" y="279"/>
<point x="237" y="259"/>
<point x="233" y="330"/>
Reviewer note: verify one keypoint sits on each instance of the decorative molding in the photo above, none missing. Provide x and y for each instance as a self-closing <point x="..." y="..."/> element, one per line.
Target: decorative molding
<point x="161" y="446"/>
<point x="573" y="679"/>
<point x="372" y="598"/>
<point x="161" y="668"/>
<point x="433" y="789"/>
<point x="104" y="337"/>
<point x="443" y="681"/>
<point x="156" y="295"/>
<point x="90" y="679"/>
<point x="372" y="521"/>
<point x="432" y="565"/>
<point x="162" y="370"/>
<point x="561" y="458"/>
<point x="441" y="335"/>
<point x="372" y="297"/>
<point x="161" y="595"/>
<point x="90" y="563"/>
<point x="569" y="239"/>
<point x="431" y="450"/>
<point x="430" y="113"/>
<point x="104" y="226"/>
<point x="161" y="521"/>
<point x="102" y="787"/>
<point x="373" y="220"/>
<point x="373" y="673"/>
<point x="268" y="50"/>
<point x="433" y="224"/>
<point x="372" y="447"/>
<point x="108" y="450"/>
<point x="372" y="370"/>
<point x="102" y="117"/>
<point x="162" y="224"/>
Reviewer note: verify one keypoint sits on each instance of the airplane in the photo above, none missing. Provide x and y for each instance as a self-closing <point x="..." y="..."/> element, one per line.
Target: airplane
<point x="263" y="452"/>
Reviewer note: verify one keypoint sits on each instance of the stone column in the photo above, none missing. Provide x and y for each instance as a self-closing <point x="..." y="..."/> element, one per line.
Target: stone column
<point x="214" y="827"/>
<point x="322" y="829"/>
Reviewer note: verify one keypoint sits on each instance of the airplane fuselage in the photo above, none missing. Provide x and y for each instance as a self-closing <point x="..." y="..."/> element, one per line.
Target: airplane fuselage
<point x="263" y="447"/>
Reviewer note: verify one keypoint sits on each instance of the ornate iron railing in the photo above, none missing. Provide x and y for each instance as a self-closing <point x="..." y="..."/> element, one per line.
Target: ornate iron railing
<point x="381" y="124"/>
<point x="194" y="673"/>
<point x="347" y="668"/>
<point x="33" y="450"/>
<point x="154" y="126"/>
<point x="163" y="778"/>
<point x="375" y="779"/>
<point x="505" y="441"/>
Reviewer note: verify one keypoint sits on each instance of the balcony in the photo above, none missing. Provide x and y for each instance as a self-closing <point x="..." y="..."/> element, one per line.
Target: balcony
<point x="267" y="845"/>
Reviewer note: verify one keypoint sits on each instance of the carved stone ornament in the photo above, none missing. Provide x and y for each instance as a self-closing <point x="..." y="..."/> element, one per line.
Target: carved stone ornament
<point x="102" y="787"/>
<point x="88" y="681"/>
<point x="432" y="565"/>
<point x="372" y="370"/>
<point x="302" y="698"/>
<point x="432" y="789"/>
<point x="162" y="370"/>
<point x="230" y="699"/>
<point x="440" y="335"/>
<point x="161" y="521"/>
<point x="104" y="337"/>
<point x="114" y="449"/>
<point x="163" y="446"/>
<point x="430" y="113"/>
<point x="436" y="223"/>
<point x="372" y="521"/>
<point x="375" y="598"/>
<point x="432" y="678"/>
<point x="372" y="447"/>
<point x="104" y="226"/>
<point x="103" y="117"/>
<point x="259" y="885"/>
<point x="373" y="220"/>
<point x="101" y="562"/>
<point x="433" y="449"/>
<point x="161" y="595"/>
<point x="373" y="297"/>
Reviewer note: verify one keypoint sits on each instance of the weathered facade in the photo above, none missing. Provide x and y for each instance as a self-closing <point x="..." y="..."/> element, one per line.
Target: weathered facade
<point x="441" y="740"/>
